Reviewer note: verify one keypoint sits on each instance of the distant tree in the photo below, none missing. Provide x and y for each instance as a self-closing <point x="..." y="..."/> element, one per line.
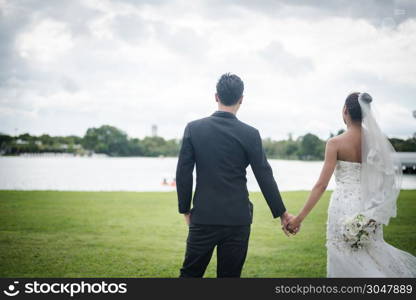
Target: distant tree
<point x="135" y="147"/>
<point x="106" y="139"/>
<point x="270" y="147"/>
<point x="25" y="137"/>
<point x="172" y="147"/>
<point x="401" y="145"/>
<point x="46" y="139"/>
<point x="152" y="146"/>
<point x="311" y="147"/>
<point x="4" y="139"/>
<point x="341" y="131"/>
<point x="291" y="148"/>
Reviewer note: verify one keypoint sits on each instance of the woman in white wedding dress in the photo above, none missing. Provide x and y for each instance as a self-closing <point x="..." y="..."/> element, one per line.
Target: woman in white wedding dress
<point x="368" y="178"/>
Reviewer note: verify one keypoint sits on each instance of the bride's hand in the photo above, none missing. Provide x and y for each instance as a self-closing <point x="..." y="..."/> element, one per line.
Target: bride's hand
<point x="293" y="226"/>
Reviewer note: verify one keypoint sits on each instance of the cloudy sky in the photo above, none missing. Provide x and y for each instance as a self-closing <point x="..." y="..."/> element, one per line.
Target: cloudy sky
<point x="66" y="66"/>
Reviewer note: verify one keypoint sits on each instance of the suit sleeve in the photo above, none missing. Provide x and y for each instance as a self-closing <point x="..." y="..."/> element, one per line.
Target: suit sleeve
<point x="264" y="176"/>
<point x="184" y="169"/>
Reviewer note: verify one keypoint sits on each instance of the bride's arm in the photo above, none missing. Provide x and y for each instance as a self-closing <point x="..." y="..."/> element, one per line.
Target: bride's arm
<point x="320" y="186"/>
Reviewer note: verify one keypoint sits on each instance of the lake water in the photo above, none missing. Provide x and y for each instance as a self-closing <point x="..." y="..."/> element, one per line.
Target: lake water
<point x="135" y="174"/>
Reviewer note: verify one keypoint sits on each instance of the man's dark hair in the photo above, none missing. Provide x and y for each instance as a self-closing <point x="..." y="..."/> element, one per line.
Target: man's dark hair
<point x="230" y="89"/>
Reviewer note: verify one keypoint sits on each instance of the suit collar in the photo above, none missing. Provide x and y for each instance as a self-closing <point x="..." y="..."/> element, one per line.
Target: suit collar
<point x="224" y="114"/>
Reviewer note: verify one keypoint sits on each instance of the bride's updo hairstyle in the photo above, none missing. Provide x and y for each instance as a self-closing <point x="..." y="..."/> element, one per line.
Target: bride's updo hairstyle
<point x="353" y="106"/>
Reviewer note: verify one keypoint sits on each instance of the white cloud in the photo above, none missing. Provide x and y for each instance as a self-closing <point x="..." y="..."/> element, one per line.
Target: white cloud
<point x="134" y="64"/>
<point x="48" y="41"/>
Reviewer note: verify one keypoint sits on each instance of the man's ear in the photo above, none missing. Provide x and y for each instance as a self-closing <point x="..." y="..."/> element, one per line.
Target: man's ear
<point x="216" y="97"/>
<point x="241" y="100"/>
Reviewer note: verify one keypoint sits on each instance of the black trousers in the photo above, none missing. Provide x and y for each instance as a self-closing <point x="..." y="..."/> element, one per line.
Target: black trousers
<point x="231" y="243"/>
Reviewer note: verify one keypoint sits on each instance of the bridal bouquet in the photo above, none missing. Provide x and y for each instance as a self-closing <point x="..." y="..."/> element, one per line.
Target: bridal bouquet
<point x="358" y="231"/>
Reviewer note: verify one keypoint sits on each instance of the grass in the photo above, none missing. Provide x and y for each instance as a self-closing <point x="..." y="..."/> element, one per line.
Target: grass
<point x="128" y="234"/>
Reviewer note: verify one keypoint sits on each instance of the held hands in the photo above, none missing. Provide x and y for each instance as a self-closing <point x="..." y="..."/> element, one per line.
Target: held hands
<point x="293" y="226"/>
<point x="284" y="221"/>
<point x="290" y="224"/>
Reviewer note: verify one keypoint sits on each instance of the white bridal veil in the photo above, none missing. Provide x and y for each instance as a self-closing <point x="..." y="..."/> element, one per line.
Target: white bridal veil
<point x="381" y="170"/>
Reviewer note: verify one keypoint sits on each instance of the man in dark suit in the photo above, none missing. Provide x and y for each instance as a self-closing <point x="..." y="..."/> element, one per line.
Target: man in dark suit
<point x="221" y="147"/>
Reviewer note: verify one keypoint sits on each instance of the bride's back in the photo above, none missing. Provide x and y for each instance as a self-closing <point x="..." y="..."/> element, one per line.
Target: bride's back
<point x="349" y="145"/>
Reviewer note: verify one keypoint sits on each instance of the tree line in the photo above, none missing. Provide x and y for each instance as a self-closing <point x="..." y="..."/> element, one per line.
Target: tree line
<point x="112" y="141"/>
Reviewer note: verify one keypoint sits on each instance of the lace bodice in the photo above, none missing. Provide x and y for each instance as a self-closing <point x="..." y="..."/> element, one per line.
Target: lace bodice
<point x="347" y="172"/>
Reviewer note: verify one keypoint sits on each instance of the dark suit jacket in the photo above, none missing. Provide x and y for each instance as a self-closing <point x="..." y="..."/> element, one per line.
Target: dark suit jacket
<point x="222" y="147"/>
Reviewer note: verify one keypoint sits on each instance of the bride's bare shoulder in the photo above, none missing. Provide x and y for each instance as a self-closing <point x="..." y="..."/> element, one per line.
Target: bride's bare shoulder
<point x="332" y="145"/>
<point x="340" y="139"/>
<point x="335" y="140"/>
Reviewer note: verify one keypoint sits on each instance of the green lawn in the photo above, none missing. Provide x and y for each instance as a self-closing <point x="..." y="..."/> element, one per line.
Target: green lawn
<point x="127" y="234"/>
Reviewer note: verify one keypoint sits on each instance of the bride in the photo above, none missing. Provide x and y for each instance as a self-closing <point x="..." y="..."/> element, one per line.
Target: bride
<point x="368" y="178"/>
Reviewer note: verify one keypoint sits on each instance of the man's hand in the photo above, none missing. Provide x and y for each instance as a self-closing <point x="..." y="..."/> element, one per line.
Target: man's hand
<point x="284" y="220"/>
<point x="187" y="218"/>
<point x="293" y="226"/>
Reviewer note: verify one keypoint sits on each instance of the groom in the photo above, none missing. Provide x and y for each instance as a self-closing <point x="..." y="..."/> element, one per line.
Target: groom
<point x="222" y="147"/>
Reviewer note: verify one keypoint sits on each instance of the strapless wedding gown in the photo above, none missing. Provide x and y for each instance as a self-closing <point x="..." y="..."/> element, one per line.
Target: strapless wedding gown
<point x="378" y="259"/>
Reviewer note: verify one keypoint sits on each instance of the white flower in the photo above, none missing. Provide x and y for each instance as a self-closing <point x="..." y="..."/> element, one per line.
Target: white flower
<point x="358" y="231"/>
<point x="364" y="238"/>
